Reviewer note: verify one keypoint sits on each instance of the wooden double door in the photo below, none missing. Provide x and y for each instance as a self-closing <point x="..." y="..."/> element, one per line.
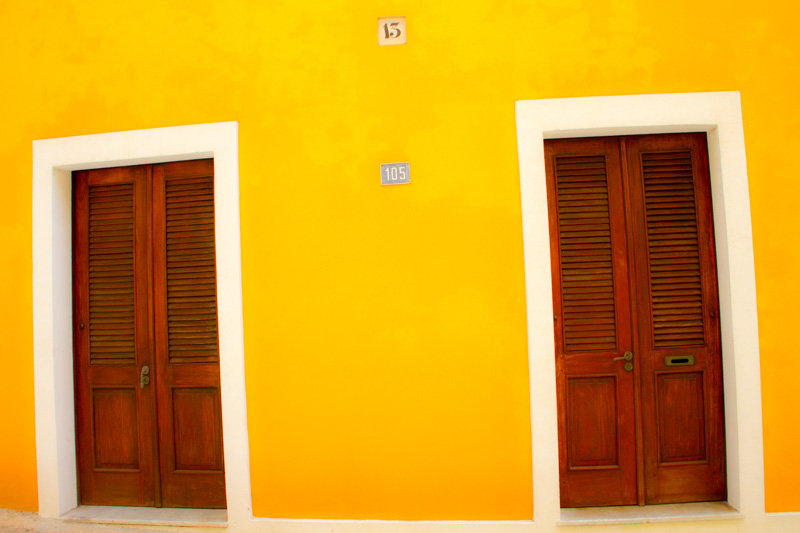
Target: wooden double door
<point x="638" y="360"/>
<point x="148" y="410"/>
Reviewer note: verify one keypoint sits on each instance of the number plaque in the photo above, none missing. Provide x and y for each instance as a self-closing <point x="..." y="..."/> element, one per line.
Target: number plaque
<point x="391" y="30"/>
<point x="395" y="173"/>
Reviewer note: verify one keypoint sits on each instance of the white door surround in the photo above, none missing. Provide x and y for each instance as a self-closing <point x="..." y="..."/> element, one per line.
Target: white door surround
<point x="53" y="163"/>
<point x="719" y="115"/>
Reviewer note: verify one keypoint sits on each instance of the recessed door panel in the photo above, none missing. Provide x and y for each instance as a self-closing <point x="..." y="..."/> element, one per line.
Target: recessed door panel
<point x="195" y="428"/>
<point x="681" y="417"/>
<point x="115" y="423"/>
<point x="592" y="422"/>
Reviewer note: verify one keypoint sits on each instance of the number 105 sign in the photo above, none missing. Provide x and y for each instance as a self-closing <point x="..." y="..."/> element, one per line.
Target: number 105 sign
<point x="395" y="173"/>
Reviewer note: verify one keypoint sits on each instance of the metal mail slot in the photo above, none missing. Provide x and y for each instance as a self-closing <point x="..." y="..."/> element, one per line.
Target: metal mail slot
<point x="679" y="360"/>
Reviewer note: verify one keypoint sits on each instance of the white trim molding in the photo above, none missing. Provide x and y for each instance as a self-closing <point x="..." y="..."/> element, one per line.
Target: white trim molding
<point x="53" y="163"/>
<point x="719" y="115"/>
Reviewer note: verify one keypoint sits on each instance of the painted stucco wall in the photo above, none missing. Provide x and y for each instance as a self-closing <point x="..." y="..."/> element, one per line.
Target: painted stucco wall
<point x="385" y="342"/>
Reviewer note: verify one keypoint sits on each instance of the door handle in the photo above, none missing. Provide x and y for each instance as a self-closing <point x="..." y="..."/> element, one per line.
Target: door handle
<point x="144" y="376"/>
<point x="627" y="356"/>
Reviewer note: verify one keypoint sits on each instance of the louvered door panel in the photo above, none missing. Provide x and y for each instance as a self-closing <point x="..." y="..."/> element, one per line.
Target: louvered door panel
<point x="191" y="274"/>
<point x="677" y="305"/>
<point x="190" y="419"/>
<point x="115" y="416"/>
<point x="111" y="284"/>
<point x="584" y="232"/>
<point x="673" y="249"/>
<point x="591" y="300"/>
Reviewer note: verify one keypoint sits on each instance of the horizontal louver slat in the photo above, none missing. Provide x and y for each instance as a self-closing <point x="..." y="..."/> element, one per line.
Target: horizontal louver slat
<point x="191" y="271"/>
<point x="111" y="288"/>
<point x="673" y="249"/>
<point x="584" y="228"/>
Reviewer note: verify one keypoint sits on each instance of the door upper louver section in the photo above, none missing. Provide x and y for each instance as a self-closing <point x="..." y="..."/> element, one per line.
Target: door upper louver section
<point x="673" y="250"/>
<point x="111" y="289"/>
<point x="586" y="258"/>
<point x="191" y="273"/>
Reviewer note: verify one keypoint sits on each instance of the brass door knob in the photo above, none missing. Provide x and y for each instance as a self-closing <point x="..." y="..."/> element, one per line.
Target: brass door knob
<point x="144" y="376"/>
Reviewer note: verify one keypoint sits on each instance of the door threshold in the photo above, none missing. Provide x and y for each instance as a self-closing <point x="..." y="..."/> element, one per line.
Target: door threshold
<point x="634" y="514"/>
<point x="147" y="516"/>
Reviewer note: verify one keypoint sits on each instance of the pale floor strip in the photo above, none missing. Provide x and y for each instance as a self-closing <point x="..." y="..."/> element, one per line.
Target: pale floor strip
<point x="632" y="514"/>
<point x="148" y="516"/>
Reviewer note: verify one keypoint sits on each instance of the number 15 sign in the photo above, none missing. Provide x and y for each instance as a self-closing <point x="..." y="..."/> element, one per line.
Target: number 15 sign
<point x="391" y="30"/>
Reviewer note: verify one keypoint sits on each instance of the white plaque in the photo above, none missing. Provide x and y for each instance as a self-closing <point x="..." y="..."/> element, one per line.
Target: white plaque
<point x="391" y="30"/>
<point x="395" y="173"/>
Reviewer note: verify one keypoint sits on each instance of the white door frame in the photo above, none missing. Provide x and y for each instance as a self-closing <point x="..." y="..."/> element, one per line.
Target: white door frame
<point x="718" y="114"/>
<point x="53" y="163"/>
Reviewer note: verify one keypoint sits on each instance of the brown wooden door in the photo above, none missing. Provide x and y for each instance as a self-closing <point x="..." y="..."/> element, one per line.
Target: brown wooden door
<point x="634" y="272"/>
<point x="148" y="417"/>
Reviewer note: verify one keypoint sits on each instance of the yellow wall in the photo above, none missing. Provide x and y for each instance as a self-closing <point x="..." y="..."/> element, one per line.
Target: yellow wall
<point x="385" y="327"/>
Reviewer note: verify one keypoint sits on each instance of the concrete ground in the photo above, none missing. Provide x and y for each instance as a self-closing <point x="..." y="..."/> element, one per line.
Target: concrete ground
<point x="22" y="522"/>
